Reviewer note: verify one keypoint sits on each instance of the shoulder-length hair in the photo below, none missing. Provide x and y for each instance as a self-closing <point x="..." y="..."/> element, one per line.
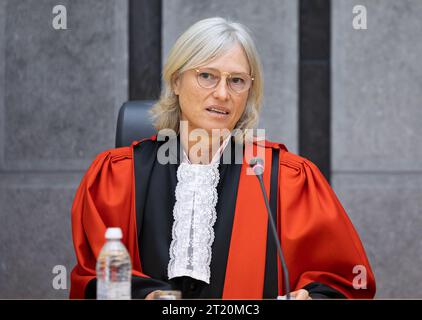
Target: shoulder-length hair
<point x="204" y="41"/>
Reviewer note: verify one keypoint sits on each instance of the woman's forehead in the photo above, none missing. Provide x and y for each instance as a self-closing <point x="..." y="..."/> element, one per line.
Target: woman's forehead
<point x="233" y="60"/>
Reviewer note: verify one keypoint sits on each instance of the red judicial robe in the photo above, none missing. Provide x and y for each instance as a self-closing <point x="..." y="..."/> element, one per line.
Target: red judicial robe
<point x="320" y="244"/>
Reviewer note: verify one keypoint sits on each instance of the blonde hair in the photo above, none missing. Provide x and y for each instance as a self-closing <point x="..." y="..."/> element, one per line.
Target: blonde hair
<point x="202" y="42"/>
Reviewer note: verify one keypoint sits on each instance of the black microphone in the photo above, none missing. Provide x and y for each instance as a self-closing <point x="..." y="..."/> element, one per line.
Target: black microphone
<point x="257" y="165"/>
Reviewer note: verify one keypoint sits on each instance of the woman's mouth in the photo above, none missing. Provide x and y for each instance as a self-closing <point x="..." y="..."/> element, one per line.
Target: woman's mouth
<point x="217" y="111"/>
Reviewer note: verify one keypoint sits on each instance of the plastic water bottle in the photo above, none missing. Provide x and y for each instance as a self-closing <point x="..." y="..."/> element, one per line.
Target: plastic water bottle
<point x="114" y="268"/>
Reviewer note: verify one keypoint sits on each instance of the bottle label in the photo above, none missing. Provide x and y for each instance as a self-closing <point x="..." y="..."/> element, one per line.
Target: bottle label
<point x="113" y="290"/>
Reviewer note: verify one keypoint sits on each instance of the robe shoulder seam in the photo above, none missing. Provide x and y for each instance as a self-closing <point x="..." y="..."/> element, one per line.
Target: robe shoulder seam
<point x="126" y="152"/>
<point x="292" y="160"/>
<point x="116" y="154"/>
<point x="121" y="153"/>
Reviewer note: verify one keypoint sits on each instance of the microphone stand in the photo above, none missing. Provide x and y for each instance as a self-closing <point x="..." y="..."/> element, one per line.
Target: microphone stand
<point x="258" y="169"/>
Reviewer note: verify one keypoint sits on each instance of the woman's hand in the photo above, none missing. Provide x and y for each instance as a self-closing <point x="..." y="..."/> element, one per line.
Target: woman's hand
<point x="150" y="296"/>
<point x="301" y="294"/>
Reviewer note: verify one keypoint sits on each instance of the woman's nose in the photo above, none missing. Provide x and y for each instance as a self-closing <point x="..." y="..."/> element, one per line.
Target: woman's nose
<point x="222" y="90"/>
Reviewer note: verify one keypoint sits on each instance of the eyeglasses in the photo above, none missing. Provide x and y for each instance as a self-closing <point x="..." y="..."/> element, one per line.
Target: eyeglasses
<point x="209" y="78"/>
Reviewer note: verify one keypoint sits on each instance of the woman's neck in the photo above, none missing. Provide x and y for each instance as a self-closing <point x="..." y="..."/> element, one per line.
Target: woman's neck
<point x="200" y="145"/>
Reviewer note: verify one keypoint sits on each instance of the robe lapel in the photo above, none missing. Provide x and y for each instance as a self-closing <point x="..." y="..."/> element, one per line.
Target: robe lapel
<point x="140" y="161"/>
<point x="247" y="253"/>
<point x="227" y="194"/>
<point x="271" y="272"/>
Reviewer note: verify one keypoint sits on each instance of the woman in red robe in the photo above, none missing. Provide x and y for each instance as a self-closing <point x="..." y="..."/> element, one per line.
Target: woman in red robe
<point x="213" y="80"/>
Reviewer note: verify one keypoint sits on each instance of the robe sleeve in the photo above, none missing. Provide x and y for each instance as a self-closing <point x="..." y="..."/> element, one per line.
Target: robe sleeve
<point x="320" y="243"/>
<point x="105" y="198"/>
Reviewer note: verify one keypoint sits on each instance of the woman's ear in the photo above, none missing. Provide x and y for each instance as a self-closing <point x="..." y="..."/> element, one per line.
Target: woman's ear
<point x="176" y="84"/>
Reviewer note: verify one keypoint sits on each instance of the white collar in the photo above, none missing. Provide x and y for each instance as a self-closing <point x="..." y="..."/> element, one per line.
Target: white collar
<point x="217" y="155"/>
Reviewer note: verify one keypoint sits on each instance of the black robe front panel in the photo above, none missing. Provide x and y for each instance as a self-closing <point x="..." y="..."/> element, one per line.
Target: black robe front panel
<point x="156" y="221"/>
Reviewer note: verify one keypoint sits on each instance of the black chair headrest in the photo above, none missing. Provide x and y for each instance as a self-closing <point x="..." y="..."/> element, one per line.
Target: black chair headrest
<point x="134" y="122"/>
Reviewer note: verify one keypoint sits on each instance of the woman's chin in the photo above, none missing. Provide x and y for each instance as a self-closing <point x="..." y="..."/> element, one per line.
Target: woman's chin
<point x="216" y="125"/>
<point x="209" y="127"/>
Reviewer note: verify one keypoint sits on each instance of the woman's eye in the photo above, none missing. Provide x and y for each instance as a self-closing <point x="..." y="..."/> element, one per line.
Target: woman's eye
<point x="238" y="80"/>
<point x="206" y="75"/>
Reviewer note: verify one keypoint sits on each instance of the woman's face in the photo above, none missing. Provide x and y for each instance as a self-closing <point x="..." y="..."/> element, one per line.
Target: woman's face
<point x="195" y="101"/>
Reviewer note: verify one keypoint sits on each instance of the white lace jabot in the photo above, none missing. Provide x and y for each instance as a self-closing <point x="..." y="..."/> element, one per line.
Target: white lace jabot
<point x="194" y="217"/>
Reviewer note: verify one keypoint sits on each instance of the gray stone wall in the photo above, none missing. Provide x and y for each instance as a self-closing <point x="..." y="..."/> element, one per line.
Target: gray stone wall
<point x="59" y="95"/>
<point x="376" y="135"/>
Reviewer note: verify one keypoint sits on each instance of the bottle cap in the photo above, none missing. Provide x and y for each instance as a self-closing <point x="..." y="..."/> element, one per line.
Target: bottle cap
<point x="113" y="234"/>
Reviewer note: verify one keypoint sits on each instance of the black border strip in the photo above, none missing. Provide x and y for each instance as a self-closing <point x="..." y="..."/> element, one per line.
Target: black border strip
<point x="145" y="19"/>
<point x="314" y="82"/>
